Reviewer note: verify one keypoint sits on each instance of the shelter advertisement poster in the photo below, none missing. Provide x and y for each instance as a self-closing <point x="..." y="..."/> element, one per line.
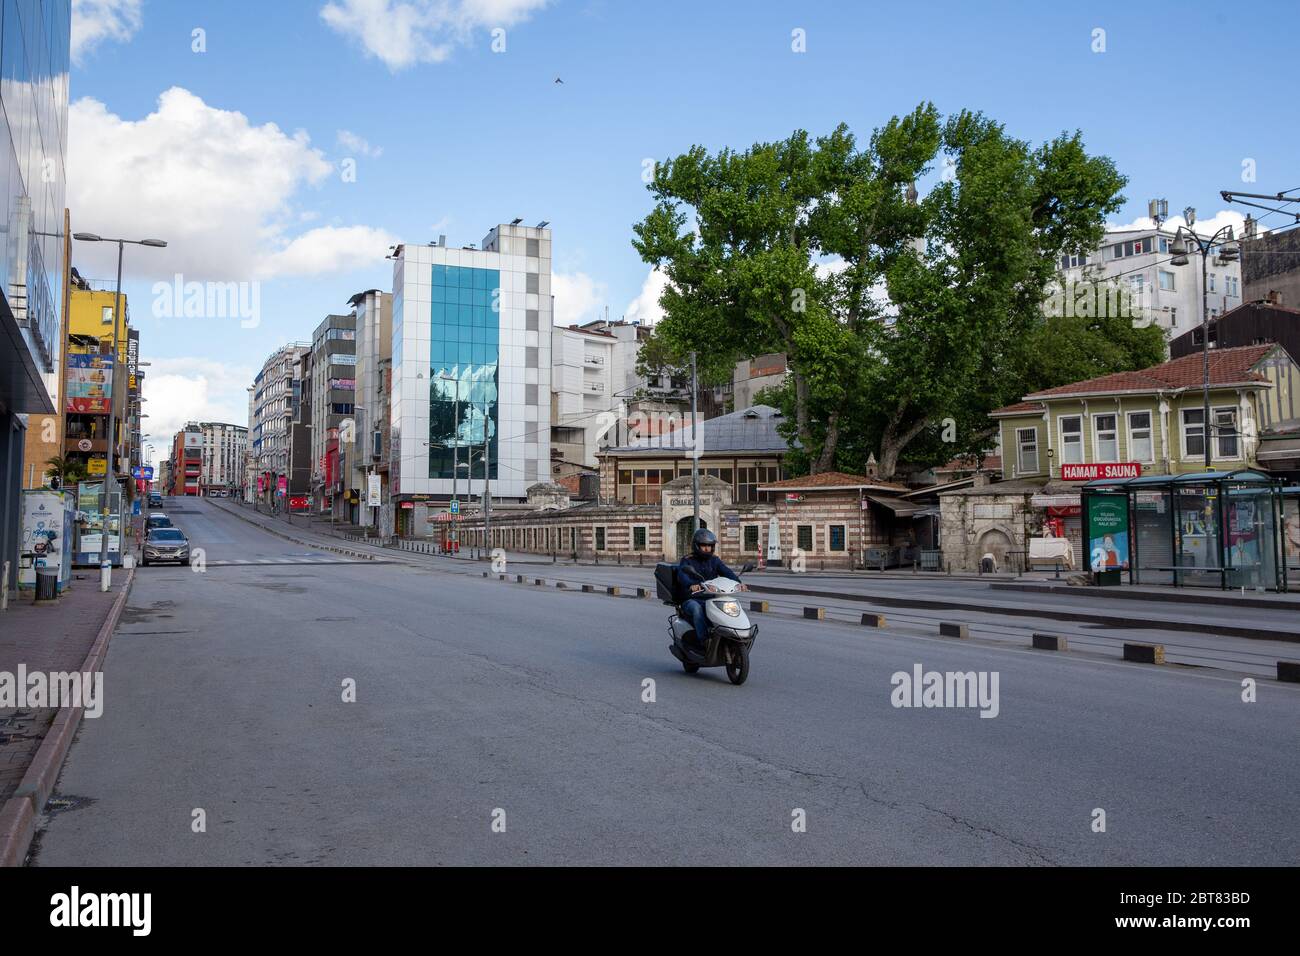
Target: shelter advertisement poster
<point x="1108" y="532"/>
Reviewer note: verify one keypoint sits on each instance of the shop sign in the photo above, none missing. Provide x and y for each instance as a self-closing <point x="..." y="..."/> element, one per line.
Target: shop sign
<point x="1119" y="469"/>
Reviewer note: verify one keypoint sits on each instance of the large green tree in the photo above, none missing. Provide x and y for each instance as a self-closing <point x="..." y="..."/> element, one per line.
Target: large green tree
<point x="898" y="314"/>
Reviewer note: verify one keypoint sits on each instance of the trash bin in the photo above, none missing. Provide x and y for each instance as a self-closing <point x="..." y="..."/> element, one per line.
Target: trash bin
<point x="47" y="584"/>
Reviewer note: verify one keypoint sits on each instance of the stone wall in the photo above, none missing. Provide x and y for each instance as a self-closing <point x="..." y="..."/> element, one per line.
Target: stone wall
<point x="972" y="524"/>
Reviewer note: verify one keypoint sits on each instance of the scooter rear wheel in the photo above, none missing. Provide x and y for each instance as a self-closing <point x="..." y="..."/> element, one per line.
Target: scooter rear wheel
<point x="738" y="665"/>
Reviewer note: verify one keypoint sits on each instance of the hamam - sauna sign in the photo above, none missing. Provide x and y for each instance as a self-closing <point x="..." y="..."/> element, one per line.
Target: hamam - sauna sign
<point x="1115" y="469"/>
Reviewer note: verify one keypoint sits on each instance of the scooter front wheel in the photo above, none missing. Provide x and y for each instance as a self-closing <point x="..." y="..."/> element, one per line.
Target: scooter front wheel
<point x="690" y="668"/>
<point x="738" y="664"/>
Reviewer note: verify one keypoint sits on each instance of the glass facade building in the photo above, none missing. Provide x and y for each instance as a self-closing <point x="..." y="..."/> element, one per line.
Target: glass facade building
<point x="35" y="43"/>
<point x="34" y="54"/>
<point x="471" y="363"/>
<point x="463" y="360"/>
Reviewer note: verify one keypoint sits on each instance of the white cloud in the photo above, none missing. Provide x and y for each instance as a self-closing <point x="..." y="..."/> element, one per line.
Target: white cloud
<point x="94" y="21"/>
<point x="578" y="298"/>
<point x="403" y="33"/>
<point x="181" y="390"/>
<point x="356" y="144"/>
<point x="645" y="308"/>
<point x="327" y="249"/>
<point x="217" y="188"/>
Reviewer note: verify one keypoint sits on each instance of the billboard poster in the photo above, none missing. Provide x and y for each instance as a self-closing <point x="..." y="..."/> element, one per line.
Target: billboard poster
<point x="90" y="384"/>
<point x="1108" y="533"/>
<point x="373" y="491"/>
<point x="1291" y="530"/>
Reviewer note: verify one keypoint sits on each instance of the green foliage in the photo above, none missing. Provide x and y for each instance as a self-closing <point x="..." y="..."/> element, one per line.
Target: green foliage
<point x="895" y="312"/>
<point x="68" y="471"/>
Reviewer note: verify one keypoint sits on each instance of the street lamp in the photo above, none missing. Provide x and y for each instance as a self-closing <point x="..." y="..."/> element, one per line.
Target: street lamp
<point x="1186" y="240"/>
<point x="105" y="568"/>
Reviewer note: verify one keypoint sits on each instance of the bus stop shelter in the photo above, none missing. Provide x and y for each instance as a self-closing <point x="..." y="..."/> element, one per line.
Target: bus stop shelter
<point x="1207" y="529"/>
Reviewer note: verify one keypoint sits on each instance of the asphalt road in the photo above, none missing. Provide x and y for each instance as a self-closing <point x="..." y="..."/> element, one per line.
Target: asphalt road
<point x="473" y="697"/>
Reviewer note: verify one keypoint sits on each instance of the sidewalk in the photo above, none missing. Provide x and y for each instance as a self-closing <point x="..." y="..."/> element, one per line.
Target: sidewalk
<point x="66" y="635"/>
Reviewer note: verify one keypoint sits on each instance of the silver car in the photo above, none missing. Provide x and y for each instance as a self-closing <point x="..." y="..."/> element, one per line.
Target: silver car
<point x="166" y="544"/>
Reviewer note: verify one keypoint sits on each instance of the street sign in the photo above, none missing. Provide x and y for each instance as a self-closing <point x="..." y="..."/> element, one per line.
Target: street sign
<point x="455" y="507"/>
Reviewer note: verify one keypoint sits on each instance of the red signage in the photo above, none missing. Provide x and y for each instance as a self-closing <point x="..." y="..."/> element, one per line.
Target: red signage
<point x="298" y="502"/>
<point x="1118" y="469"/>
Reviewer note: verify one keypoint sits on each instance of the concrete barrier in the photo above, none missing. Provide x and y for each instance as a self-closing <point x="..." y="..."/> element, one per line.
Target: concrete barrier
<point x="758" y="607"/>
<point x="642" y="592"/>
<point x="1145" y="653"/>
<point x="952" y="629"/>
<point x="519" y="579"/>
<point x="561" y="585"/>
<point x="873" y="620"/>
<point x="1050" y="642"/>
<point x="501" y="577"/>
<point x="587" y="589"/>
<point x="613" y="591"/>
<point x="1288" y="671"/>
<point x="538" y="582"/>
<point x="815" y="613"/>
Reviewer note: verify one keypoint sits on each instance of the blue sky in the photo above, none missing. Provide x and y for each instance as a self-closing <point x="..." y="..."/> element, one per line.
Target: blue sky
<point x="238" y="166"/>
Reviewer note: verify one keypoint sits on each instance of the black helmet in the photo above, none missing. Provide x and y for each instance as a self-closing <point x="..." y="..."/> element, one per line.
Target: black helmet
<point x="702" y="537"/>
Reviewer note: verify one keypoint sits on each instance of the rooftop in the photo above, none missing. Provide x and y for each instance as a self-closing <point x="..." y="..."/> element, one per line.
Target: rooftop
<point x="833" y="481"/>
<point x="750" y="430"/>
<point x="1235" y="366"/>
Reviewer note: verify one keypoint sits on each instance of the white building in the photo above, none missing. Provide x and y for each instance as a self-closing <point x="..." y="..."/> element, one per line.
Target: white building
<point x="471" y="370"/>
<point x="275" y="395"/>
<point x="224" y="448"/>
<point x="1169" y="295"/>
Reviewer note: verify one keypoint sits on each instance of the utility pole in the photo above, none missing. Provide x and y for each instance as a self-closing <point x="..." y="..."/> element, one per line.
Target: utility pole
<point x="695" y="458"/>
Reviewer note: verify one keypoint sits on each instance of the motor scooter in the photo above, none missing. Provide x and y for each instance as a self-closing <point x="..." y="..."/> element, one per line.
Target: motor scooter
<point x="730" y="636"/>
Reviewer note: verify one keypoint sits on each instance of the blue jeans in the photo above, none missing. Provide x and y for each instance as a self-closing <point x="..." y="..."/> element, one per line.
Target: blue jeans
<point x="694" y="610"/>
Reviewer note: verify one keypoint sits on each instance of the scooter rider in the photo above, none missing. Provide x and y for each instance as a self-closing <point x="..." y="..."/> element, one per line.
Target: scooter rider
<point x="701" y="565"/>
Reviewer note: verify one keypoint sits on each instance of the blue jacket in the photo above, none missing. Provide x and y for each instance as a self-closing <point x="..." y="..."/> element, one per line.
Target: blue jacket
<point x="693" y="570"/>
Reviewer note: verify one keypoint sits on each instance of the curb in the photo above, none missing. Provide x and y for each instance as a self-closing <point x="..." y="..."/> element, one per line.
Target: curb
<point x="18" y="816"/>
<point x="1056" y="614"/>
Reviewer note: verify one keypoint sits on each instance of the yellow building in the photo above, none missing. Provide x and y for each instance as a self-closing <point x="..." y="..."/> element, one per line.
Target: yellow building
<point x="96" y="379"/>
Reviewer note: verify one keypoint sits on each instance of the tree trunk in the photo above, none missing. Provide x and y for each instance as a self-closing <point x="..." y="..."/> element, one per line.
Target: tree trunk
<point x="826" y="458"/>
<point x="893" y="441"/>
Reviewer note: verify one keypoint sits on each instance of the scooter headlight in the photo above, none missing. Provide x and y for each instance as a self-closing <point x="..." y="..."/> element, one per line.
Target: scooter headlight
<point x="729" y="608"/>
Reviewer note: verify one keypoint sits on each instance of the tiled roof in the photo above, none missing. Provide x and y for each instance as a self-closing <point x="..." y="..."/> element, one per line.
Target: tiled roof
<point x="831" y="480"/>
<point x="967" y="463"/>
<point x="750" y="430"/>
<point x="1019" y="408"/>
<point x="1227" y="367"/>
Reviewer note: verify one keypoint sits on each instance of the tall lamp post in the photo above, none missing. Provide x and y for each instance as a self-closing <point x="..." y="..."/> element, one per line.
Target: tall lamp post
<point x="1185" y="241"/>
<point x="105" y="567"/>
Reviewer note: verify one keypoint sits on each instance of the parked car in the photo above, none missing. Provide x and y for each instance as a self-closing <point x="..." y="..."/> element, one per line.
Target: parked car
<point x="166" y="544"/>
<point x="157" y="520"/>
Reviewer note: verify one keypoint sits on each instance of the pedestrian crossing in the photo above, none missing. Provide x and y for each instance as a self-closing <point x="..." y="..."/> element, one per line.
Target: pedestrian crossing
<point x="287" y="559"/>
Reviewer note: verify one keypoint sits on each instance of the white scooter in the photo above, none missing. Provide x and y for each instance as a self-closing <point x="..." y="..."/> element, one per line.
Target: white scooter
<point x="730" y="633"/>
